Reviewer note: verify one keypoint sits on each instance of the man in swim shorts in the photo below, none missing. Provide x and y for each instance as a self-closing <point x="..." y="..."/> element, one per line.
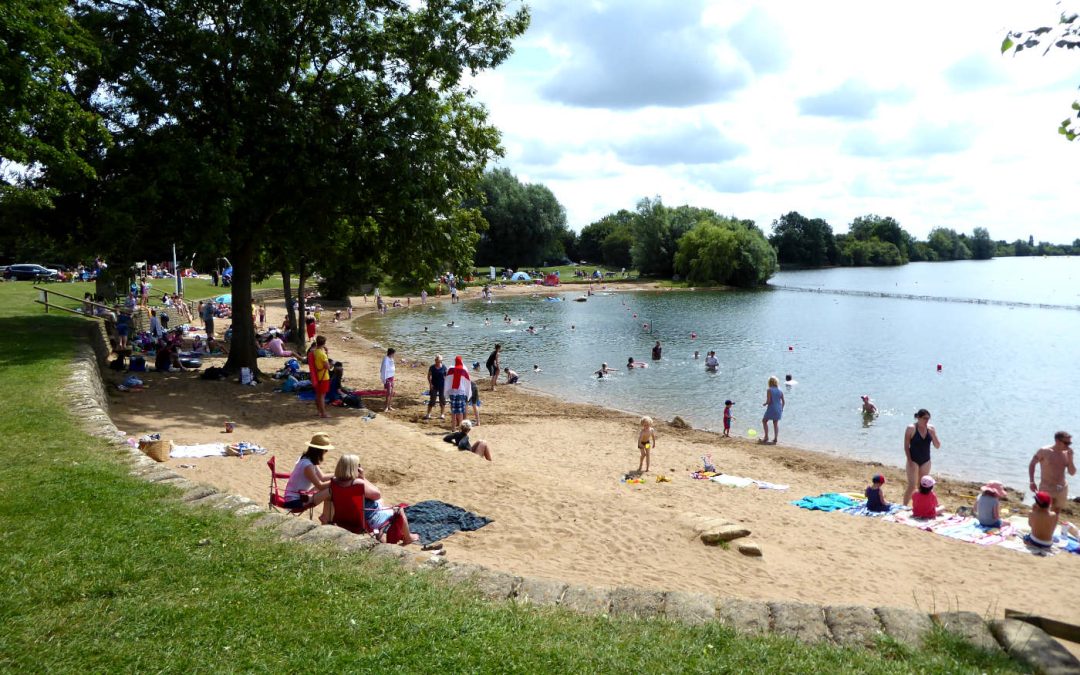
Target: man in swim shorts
<point x="1055" y="460"/>
<point x="493" y="365"/>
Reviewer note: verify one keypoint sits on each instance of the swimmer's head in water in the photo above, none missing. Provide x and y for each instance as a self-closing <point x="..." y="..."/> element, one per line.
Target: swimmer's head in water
<point x="787" y="378"/>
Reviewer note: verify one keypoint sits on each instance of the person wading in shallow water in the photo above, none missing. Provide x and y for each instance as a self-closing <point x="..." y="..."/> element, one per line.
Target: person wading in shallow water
<point x="917" y="440"/>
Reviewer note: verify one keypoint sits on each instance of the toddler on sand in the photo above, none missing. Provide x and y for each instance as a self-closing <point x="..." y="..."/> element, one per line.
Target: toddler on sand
<point x="646" y="442"/>
<point x="924" y="503"/>
<point x="875" y="497"/>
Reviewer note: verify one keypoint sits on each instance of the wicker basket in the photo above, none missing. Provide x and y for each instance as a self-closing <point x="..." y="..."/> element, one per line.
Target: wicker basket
<point x="156" y="450"/>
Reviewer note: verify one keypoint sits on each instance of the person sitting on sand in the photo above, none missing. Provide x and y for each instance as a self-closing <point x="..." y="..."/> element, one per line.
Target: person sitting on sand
<point x="868" y="406"/>
<point x="349" y="473"/>
<point x="646" y="442"/>
<point x="460" y="438"/>
<point x="924" y="503"/>
<point x="276" y="347"/>
<point x="1043" y="520"/>
<point x="988" y="504"/>
<point x="306" y="478"/>
<point x="875" y="496"/>
<point x="511" y="376"/>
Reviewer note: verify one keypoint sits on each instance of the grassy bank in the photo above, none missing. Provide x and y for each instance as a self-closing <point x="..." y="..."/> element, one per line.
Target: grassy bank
<point x="103" y="572"/>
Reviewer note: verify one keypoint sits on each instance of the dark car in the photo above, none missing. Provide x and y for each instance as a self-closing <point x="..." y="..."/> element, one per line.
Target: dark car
<point x="30" y="273"/>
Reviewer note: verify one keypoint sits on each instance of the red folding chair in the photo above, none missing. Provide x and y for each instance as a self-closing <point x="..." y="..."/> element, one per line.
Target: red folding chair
<point x="277" y="493"/>
<point x="349" y="513"/>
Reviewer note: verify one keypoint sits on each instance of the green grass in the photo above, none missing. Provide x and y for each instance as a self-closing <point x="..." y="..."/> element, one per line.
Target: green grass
<point x="102" y="573"/>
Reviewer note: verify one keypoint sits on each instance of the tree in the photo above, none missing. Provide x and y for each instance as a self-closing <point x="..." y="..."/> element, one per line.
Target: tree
<point x="615" y="249"/>
<point x="1065" y="35"/>
<point x="720" y="250"/>
<point x="526" y="223"/>
<point x="982" y="246"/>
<point x="45" y="131"/>
<point x="799" y="240"/>
<point x="947" y="244"/>
<point x="359" y="106"/>
<point x="886" y="229"/>
<point x="592" y="236"/>
<point x="656" y="230"/>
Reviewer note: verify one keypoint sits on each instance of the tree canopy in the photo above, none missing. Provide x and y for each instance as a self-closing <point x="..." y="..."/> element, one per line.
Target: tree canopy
<point x="1064" y="35"/>
<point x="721" y="250"/>
<point x="803" y="241"/>
<point x="526" y="225"/>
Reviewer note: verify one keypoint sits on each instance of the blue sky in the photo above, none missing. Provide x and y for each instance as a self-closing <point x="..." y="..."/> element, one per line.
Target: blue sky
<point x="833" y="108"/>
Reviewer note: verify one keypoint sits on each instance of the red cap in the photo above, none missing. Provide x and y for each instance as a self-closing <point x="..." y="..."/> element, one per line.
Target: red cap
<point x="1042" y="498"/>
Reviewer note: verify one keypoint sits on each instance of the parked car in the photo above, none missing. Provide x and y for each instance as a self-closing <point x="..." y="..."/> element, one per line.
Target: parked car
<point x="30" y="273"/>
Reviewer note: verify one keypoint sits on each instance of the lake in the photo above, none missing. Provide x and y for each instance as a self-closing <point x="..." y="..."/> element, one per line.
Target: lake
<point x="1008" y="380"/>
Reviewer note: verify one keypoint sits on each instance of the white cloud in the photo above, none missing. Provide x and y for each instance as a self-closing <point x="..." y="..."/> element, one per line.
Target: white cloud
<point x="834" y="109"/>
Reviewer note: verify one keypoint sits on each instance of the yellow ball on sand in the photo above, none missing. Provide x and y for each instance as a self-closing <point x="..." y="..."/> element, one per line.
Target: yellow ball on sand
<point x="751" y="432"/>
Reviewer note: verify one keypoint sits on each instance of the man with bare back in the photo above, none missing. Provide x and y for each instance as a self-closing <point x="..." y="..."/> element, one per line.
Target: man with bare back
<point x="1055" y="460"/>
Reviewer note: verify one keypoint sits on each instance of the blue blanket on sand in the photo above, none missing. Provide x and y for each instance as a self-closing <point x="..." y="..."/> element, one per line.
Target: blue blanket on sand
<point x="434" y="520"/>
<point x="830" y="501"/>
<point x="860" y="510"/>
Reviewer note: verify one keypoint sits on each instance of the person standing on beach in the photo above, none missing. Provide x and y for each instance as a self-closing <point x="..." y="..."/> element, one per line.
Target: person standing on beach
<point x="436" y="378"/>
<point x="319" y="367"/>
<point x="208" y="318"/>
<point x="458" y="388"/>
<point x="774" y="410"/>
<point x="493" y="365"/>
<point x="386" y="374"/>
<point x="728" y="417"/>
<point x="646" y="442"/>
<point x="1055" y="460"/>
<point x="917" y="440"/>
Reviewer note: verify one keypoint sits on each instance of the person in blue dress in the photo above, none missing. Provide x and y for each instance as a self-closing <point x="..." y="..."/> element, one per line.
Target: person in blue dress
<point x="774" y="410"/>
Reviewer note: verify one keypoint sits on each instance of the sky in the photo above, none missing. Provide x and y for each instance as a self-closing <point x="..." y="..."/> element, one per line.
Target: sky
<point x="834" y="109"/>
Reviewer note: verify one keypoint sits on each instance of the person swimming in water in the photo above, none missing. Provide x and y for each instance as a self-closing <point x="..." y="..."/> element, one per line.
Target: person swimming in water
<point x="604" y="370"/>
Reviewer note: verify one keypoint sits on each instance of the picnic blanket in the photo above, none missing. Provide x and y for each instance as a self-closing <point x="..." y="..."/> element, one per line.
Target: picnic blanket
<point x="740" y="482"/>
<point x="201" y="450"/>
<point x="860" y="510"/>
<point x="830" y="501"/>
<point x="434" y="520"/>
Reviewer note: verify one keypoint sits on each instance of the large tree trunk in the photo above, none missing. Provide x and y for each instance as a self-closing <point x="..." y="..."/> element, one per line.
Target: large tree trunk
<point x="301" y="311"/>
<point x="296" y="336"/>
<point x="243" y="350"/>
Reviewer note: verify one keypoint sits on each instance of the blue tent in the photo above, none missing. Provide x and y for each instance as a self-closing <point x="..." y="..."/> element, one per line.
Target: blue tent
<point x="224" y="299"/>
<point x="520" y="276"/>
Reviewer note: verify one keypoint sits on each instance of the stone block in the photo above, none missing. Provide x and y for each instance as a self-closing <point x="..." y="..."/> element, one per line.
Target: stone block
<point x="540" y="591"/>
<point x="798" y="620"/>
<point x="689" y="608"/>
<point x="907" y="626"/>
<point x="294" y="527"/>
<point x="322" y="533"/>
<point x="853" y="626"/>
<point x="636" y="602"/>
<point x="269" y="520"/>
<point x="749" y="548"/>
<point x="496" y="585"/>
<point x="390" y="551"/>
<point x="718" y="535"/>
<point x="209" y="500"/>
<point x="745" y="616"/>
<point x="969" y="626"/>
<point x="249" y="510"/>
<point x="351" y="543"/>
<point x="1032" y="646"/>
<point x="233" y="502"/>
<point x="587" y="599"/>
<point x="198" y="491"/>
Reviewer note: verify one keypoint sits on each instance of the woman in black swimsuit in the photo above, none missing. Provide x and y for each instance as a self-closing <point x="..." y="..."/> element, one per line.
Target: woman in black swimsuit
<point x="917" y="440"/>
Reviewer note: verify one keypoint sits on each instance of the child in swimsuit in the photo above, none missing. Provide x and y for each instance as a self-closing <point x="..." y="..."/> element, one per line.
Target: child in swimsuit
<point x="875" y="497"/>
<point x="924" y="503"/>
<point x="646" y="442"/>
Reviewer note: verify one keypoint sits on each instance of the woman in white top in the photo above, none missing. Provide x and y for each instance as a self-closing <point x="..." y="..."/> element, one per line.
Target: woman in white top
<point x="306" y="477"/>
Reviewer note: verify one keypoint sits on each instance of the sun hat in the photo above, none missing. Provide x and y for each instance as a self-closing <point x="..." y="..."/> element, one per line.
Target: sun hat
<point x="994" y="486"/>
<point x="1042" y="498"/>
<point x="878" y="479"/>
<point x="729" y="402"/>
<point x="927" y="482"/>
<point x="320" y="440"/>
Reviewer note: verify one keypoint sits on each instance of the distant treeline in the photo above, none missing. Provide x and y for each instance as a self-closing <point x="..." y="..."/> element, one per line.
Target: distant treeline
<point x="876" y="240"/>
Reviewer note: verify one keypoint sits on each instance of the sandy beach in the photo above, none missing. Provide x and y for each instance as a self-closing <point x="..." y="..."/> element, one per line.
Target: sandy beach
<point x="560" y="510"/>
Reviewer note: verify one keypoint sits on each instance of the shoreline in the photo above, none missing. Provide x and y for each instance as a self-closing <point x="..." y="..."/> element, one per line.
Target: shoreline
<point x="560" y="510"/>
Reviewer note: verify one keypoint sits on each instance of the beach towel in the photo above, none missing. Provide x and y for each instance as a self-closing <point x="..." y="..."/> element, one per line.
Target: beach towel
<point x="861" y="510"/>
<point x="830" y="501"/>
<point x="434" y="520"/>
<point x="732" y="481"/>
<point x="766" y="485"/>
<point x="202" y="450"/>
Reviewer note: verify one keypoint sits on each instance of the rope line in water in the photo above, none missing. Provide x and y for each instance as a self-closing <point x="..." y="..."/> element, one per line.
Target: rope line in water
<point x="932" y="298"/>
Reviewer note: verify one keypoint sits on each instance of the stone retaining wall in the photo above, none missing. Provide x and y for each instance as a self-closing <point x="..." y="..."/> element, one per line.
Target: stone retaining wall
<point x="852" y="626"/>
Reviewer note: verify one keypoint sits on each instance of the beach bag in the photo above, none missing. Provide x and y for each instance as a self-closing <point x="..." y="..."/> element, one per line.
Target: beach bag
<point x="157" y="450"/>
<point x="137" y="364"/>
